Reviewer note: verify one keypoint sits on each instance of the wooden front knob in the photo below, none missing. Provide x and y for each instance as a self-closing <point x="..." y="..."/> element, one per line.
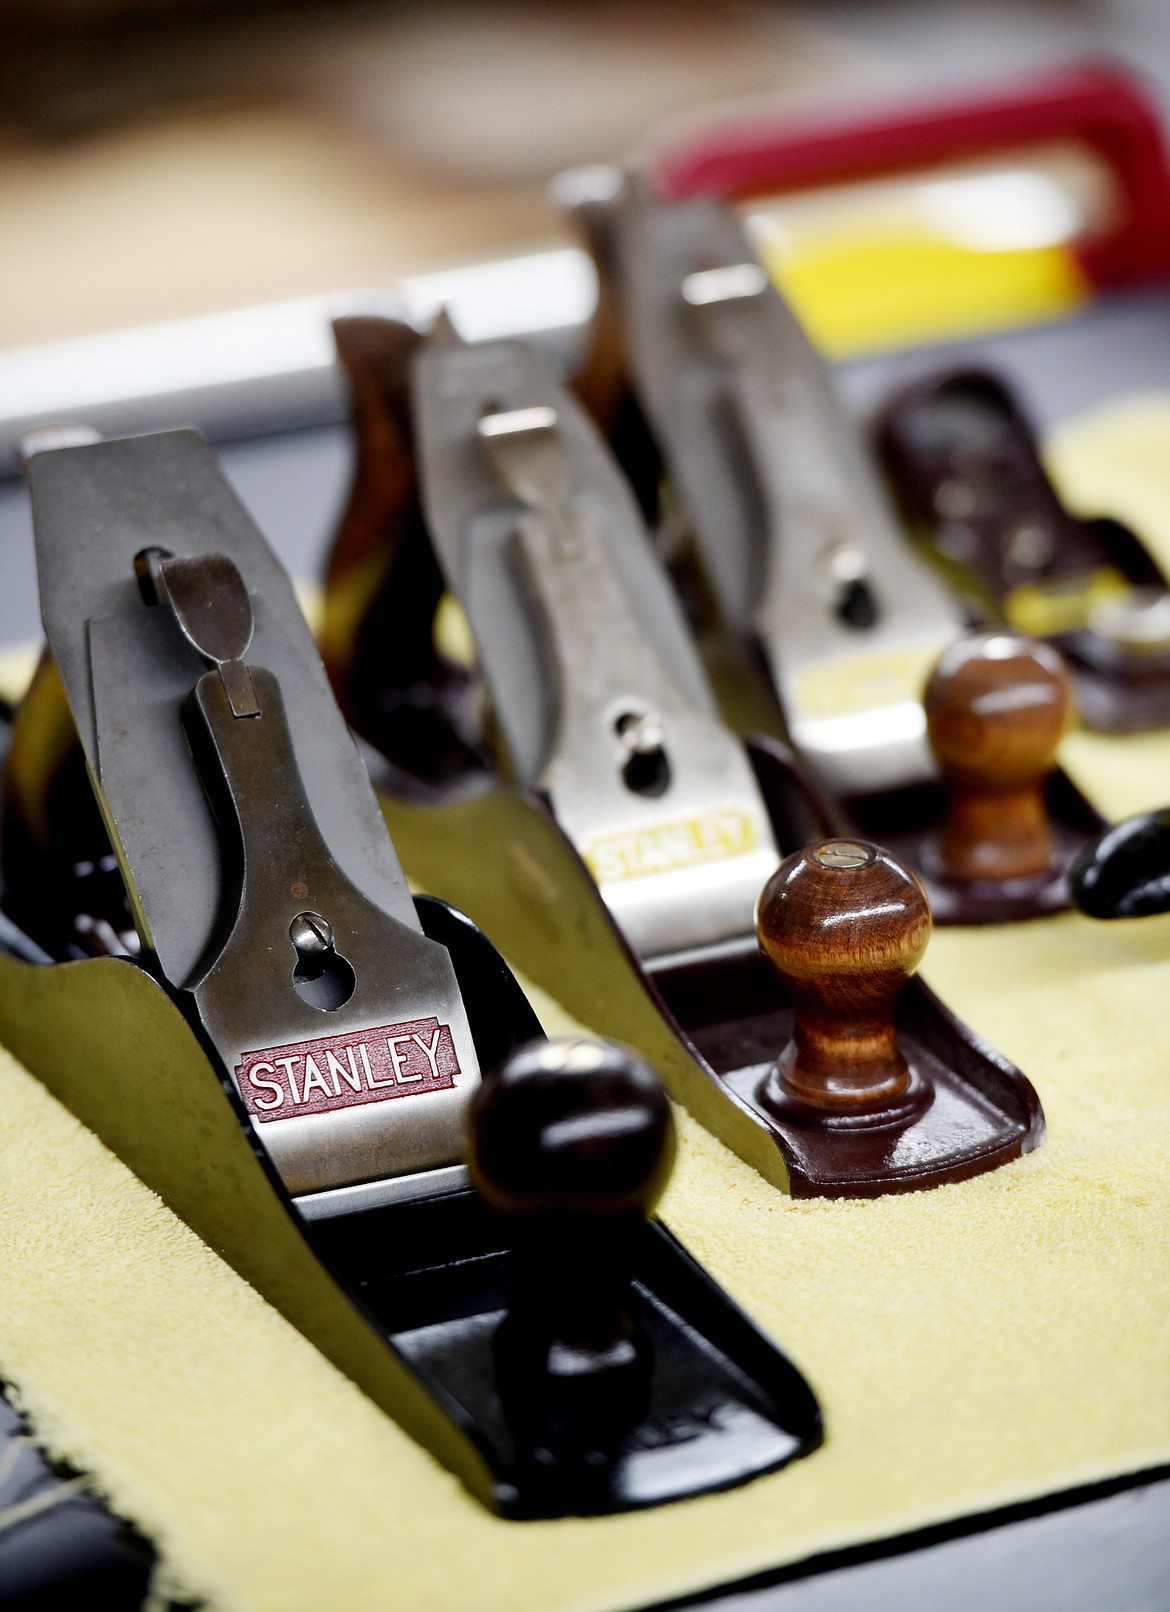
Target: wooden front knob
<point x="844" y="926"/>
<point x="574" y="1140"/>
<point x="571" y="1127"/>
<point x="997" y="705"/>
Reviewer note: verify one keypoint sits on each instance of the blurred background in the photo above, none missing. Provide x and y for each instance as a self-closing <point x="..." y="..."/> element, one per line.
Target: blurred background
<point x="177" y="157"/>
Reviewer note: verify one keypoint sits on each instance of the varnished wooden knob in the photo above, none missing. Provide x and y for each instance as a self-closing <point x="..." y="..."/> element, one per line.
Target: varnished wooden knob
<point x="845" y="926"/>
<point x="571" y="1127"/>
<point x="574" y="1140"/>
<point x="997" y="705"/>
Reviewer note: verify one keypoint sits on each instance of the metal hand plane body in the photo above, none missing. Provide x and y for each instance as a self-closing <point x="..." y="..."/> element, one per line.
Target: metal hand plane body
<point x="968" y="473"/>
<point x="261" y="879"/>
<point x="291" y="1059"/>
<point x="797" y="538"/>
<point x="599" y="694"/>
<point x="624" y="872"/>
<point x="787" y="508"/>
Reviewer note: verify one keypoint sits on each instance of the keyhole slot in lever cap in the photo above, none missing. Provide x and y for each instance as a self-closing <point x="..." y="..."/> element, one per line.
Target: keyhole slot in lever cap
<point x="322" y="977"/>
<point x="856" y="606"/>
<point x="646" y="767"/>
<point x="854" y="601"/>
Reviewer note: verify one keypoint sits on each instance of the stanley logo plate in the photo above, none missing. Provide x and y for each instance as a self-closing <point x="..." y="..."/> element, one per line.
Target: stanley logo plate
<point x="366" y="1066"/>
<point x="682" y="842"/>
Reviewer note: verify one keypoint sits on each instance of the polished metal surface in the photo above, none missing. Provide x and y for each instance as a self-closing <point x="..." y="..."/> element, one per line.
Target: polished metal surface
<point x="272" y="367"/>
<point x="264" y="991"/>
<point x="1138" y="619"/>
<point x="656" y="794"/>
<point x="795" y="529"/>
<point x="97" y="508"/>
<point x="376" y="1194"/>
<point x="294" y="481"/>
<point x="339" y="1021"/>
<point x="1084" y="1554"/>
<point x="209" y="601"/>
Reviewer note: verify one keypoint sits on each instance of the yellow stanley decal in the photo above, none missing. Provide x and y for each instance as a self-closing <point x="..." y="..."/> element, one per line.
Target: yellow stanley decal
<point x="681" y="842"/>
<point x="850" y="684"/>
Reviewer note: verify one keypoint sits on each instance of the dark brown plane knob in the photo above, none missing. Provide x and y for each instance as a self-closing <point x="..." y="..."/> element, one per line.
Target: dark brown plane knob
<point x="845" y="926"/>
<point x="572" y="1140"/>
<point x="571" y="1127"/>
<point x="997" y="705"/>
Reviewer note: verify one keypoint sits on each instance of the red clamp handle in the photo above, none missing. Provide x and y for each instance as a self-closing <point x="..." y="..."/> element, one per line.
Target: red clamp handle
<point x="1096" y="104"/>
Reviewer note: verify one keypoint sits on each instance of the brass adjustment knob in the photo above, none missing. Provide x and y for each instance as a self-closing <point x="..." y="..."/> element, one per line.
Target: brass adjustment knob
<point x="845" y="926"/>
<point x="997" y="706"/>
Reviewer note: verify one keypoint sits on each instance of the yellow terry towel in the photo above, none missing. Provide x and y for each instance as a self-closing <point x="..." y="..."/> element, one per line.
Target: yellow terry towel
<point x="971" y="1346"/>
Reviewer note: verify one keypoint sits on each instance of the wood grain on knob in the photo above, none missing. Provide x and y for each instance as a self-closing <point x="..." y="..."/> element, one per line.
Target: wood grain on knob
<point x="571" y="1127"/>
<point x="997" y="705"/>
<point x="844" y="925"/>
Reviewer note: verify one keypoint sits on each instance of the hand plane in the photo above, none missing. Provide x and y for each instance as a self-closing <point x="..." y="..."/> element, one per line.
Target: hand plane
<point x="299" y="1057"/>
<point x="619" y="849"/>
<point x="809" y="569"/>
<point x="967" y="472"/>
<point x="797" y="540"/>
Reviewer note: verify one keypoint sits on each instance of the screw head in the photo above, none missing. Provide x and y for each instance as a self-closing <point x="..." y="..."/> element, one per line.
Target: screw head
<point x="311" y="934"/>
<point x="844" y="854"/>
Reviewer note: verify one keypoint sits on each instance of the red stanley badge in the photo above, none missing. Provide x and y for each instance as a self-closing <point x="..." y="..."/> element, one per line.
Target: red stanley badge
<point x="366" y="1066"/>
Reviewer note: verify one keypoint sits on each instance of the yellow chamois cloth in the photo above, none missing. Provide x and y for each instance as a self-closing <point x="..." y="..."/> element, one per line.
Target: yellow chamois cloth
<point x="971" y="1346"/>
